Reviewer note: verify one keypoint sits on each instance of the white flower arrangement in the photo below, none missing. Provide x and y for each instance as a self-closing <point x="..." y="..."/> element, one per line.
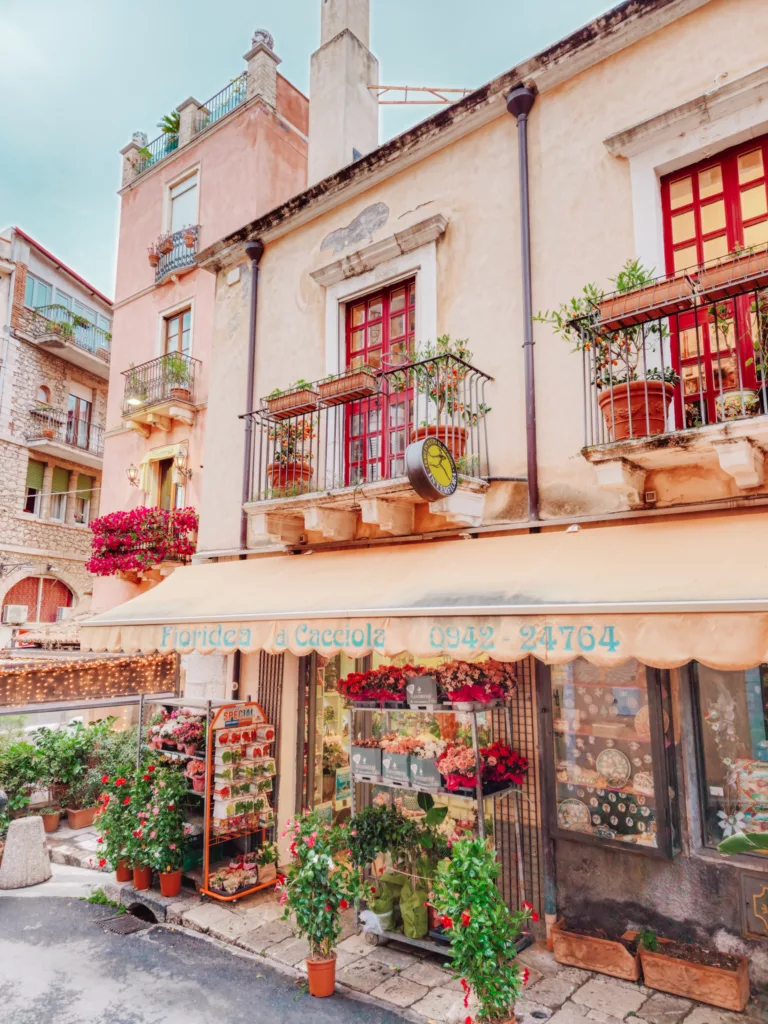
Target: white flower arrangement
<point x="429" y="747"/>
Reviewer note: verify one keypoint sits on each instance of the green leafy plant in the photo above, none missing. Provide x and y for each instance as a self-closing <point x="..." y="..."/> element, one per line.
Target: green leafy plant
<point x="176" y="370"/>
<point x="482" y="929"/>
<point x="320" y="884"/>
<point x="646" y="939"/>
<point x="115" y="819"/>
<point x="745" y="842"/>
<point x="99" y="897"/>
<point x="298" y="385"/>
<point x="170" y="124"/>
<point x="162" y="817"/>
<point x="267" y="855"/>
<point x="439" y="370"/>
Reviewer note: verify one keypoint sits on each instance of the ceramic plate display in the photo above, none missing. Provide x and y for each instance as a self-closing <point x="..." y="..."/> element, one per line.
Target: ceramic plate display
<point x="614" y="767"/>
<point x="643" y="722"/>
<point x="643" y="783"/>
<point x="573" y="814"/>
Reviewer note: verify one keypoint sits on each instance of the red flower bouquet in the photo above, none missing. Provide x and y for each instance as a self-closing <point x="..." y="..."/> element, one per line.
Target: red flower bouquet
<point x="503" y="764"/>
<point x="485" y="681"/>
<point x="386" y="683"/>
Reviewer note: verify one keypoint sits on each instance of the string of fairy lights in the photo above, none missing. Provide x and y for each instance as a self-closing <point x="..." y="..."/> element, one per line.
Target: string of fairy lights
<point x="39" y="680"/>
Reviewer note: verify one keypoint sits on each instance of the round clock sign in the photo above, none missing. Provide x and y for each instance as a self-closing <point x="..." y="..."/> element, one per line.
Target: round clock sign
<point x="430" y="469"/>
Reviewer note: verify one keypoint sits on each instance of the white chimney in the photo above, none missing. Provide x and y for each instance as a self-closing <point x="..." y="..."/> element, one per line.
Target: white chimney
<point x="343" y="111"/>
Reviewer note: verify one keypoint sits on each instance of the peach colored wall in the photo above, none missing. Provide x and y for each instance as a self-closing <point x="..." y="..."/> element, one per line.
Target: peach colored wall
<point x="292" y="105"/>
<point x="249" y="164"/>
<point x="582" y="230"/>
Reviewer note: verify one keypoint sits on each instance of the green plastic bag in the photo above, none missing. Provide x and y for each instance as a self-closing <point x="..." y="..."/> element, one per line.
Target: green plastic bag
<point x="415" y="917"/>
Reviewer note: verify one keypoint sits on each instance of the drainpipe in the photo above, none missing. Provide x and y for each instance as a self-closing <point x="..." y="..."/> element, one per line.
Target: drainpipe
<point x="519" y="103"/>
<point x="254" y="251"/>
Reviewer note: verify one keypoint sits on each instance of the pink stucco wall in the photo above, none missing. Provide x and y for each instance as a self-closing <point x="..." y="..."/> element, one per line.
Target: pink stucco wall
<point x="250" y="162"/>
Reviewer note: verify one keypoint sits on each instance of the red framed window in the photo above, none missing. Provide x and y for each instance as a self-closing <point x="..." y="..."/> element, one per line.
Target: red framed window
<point x="711" y="209"/>
<point x="380" y="334"/>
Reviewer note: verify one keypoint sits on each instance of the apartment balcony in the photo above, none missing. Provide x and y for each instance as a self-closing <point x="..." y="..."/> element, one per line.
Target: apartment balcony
<point x="144" y="543"/>
<point x="155" y="151"/>
<point x="225" y="101"/>
<point x="675" y="375"/>
<point x="173" y="255"/>
<point x="61" y="437"/>
<point x="329" y="457"/>
<point x="161" y="392"/>
<point x="68" y="336"/>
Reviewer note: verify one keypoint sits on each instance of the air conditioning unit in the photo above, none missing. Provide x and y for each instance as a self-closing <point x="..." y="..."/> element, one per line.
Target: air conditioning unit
<point x="15" y="614"/>
<point x="62" y="614"/>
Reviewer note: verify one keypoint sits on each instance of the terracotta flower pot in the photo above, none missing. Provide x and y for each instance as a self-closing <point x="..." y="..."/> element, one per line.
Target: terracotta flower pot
<point x="453" y="437"/>
<point x="142" y="877"/>
<point x="170" y="883"/>
<point x="321" y="975"/>
<point x="165" y="246"/>
<point x="662" y="298"/>
<point x="717" y="986"/>
<point x="190" y="748"/>
<point x="190" y="240"/>
<point x="51" y="821"/>
<point x="198" y="783"/>
<point x="293" y="403"/>
<point x="82" y="817"/>
<point x="293" y="476"/>
<point x="181" y="394"/>
<point x="123" y="872"/>
<point x="646" y="401"/>
<point x="154" y="259"/>
<point x="348" y="387"/>
<point x="48" y="432"/>
<point x="594" y="954"/>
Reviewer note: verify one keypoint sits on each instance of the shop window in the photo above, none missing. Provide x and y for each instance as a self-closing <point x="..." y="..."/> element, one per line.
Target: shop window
<point x="34" y="486"/>
<point x="611" y="756"/>
<point x="43" y="596"/>
<point x="326" y="779"/>
<point x="733" y="735"/>
<point x="380" y="334"/>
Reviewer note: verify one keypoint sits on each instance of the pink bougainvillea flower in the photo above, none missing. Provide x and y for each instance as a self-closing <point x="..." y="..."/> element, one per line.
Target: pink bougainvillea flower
<point x="102" y="862"/>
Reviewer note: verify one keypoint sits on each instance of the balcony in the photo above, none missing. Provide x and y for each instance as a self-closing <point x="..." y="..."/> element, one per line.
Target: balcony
<point x="329" y="457"/>
<point x="145" y="543"/>
<point x="55" y="434"/>
<point x="155" y="151"/>
<point x="161" y="392"/>
<point x="68" y="336"/>
<point x="175" y="254"/>
<point x="222" y="103"/>
<point x="675" y="375"/>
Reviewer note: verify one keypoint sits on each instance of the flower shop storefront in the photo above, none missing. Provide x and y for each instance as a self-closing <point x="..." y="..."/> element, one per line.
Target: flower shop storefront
<point x="617" y="678"/>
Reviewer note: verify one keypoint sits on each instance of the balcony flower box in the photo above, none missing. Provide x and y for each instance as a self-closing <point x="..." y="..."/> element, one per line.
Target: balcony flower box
<point x="720" y="979"/>
<point x="296" y="401"/>
<point x="732" y="276"/>
<point x="348" y="387"/>
<point x="618" y="958"/>
<point x="661" y="298"/>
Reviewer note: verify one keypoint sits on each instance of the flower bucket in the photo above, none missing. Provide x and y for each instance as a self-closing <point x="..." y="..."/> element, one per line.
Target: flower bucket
<point x="293" y="476"/>
<point x="395" y="768"/>
<point x="645" y="400"/>
<point x="459" y="783"/>
<point x="662" y="298"/>
<point x="142" y="877"/>
<point x="425" y="773"/>
<point x="123" y="871"/>
<point x="198" y="783"/>
<point x="170" y="883"/>
<point x="82" y="817"/>
<point x="321" y="975"/>
<point x="190" y="748"/>
<point x="454" y="438"/>
<point x="51" y="821"/>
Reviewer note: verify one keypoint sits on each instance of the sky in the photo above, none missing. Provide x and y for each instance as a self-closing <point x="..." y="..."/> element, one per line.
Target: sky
<point x="78" y="77"/>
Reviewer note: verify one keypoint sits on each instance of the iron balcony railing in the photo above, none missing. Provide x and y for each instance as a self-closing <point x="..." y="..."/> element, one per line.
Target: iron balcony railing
<point x="50" y="425"/>
<point x="355" y="430"/>
<point x="678" y="355"/>
<point x="172" y="377"/>
<point x="223" y="102"/>
<point x="155" y="151"/>
<point x="57" y="320"/>
<point x="181" y="255"/>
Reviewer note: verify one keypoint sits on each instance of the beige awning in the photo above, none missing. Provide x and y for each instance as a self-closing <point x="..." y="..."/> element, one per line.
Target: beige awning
<point x="662" y="592"/>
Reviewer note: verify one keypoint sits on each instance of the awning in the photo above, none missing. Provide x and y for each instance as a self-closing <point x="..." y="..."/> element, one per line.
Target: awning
<point x="662" y="592"/>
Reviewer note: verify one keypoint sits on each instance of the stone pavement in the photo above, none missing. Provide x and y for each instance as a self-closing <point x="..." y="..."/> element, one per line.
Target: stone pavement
<point x="77" y="848"/>
<point x="416" y="984"/>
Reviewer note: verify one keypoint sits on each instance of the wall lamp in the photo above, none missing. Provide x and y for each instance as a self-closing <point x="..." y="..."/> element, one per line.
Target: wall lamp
<point x="180" y="462"/>
<point x="133" y="475"/>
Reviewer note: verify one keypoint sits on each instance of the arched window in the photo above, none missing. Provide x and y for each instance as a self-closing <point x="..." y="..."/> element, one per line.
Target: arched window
<point x="44" y="394"/>
<point x="42" y="595"/>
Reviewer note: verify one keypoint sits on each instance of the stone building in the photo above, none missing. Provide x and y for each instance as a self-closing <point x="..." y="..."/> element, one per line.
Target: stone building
<point x="54" y="368"/>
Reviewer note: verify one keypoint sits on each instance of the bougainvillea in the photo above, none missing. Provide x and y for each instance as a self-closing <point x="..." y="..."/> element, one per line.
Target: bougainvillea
<point x="138" y="539"/>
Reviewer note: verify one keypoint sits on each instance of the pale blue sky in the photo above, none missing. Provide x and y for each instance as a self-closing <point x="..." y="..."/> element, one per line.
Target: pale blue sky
<point x="77" y="77"/>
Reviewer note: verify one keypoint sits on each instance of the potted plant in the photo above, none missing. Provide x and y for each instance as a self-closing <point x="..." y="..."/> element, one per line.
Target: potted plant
<point x="83" y="799"/>
<point x="475" y="686"/>
<point x="136" y="391"/>
<point x="51" y="817"/>
<point x="65" y="329"/>
<point x="354" y="383"/>
<point x="190" y="735"/>
<point x="164" y="828"/>
<point x="366" y="758"/>
<point x="165" y="244"/>
<point x="707" y="976"/>
<point x="596" y="951"/>
<point x="744" y="268"/>
<point x="290" y="471"/>
<point x="153" y="255"/>
<point x="633" y="399"/>
<point x="319" y="885"/>
<point x="437" y="377"/>
<point x="395" y="758"/>
<point x="483" y="931"/>
<point x="115" y="820"/>
<point x="196" y="772"/>
<point x="295" y="400"/>
<point x="170" y="124"/>
<point x="382" y="687"/>
<point x="137" y="842"/>
<point x="176" y="370"/>
<point x="190" y="236"/>
<point x="266" y="858"/>
<point x="19" y="771"/>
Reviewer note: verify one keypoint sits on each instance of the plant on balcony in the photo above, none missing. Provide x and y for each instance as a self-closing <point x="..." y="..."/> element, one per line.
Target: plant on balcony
<point x="295" y="400"/>
<point x="177" y="375"/>
<point x="154" y="256"/>
<point x="633" y="398"/>
<point x="290" y="470"/>
<point x="439" y="372"/>
<point x="165" y="244"/>
<point x="190" y="236"/>
<point x="355" y="383"/>
<point x="170" y="124"/>
<point x="80" y="321"/>
<point x="136" y="391"/>
<point x="131" y="542"/>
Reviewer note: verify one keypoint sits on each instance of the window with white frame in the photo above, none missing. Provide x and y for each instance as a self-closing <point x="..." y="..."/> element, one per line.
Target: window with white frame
<point x="183" y="201"/>
<point x="36" y="292"/>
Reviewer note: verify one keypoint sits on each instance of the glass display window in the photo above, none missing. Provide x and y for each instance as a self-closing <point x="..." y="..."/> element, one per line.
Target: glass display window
<point x="733" y="743"/>
<point x="611" y="756"/>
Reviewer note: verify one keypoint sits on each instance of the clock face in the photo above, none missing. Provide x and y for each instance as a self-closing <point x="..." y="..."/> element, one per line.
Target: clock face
<point x="431" y="469"/>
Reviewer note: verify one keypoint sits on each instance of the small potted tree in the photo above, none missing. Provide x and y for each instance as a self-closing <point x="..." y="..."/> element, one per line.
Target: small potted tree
<point x="138" y="842"/>
<point x="482" y="931"/>
<point x="83" y="799"/>
<point x="165" y="825"/>
<point x="114" y="821"/>
<point x="177" y="376"/>
<point x="320" y="885"/>
<point x="291" y="471"/>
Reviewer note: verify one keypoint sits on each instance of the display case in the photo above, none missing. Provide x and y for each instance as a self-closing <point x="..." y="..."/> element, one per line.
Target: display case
<point x="610" y="756"/>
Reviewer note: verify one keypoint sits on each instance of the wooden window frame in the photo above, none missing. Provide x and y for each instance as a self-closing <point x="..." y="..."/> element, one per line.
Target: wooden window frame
<point x="169" y="318"/>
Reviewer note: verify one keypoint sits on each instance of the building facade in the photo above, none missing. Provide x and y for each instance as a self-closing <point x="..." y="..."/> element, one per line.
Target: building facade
<point x="228" y="159"/>
<point x="605" y="527"/>
<point x="53" y="401"/>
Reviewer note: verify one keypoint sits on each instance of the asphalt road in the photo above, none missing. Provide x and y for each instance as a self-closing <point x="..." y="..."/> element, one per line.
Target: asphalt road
<point x="58" y="965"/>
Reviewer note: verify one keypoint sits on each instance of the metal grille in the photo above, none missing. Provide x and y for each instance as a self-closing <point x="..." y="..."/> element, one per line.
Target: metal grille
<point x="155" y="151"/>
<point x="59" y="323"/>
<point x="172" y="376"/>
<point x="226" y="99"/>
<point x="525" y="740"/>
<point x="55" y="426"/>
<point x="270" y="696"/>
<point x="181" y="255"/>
